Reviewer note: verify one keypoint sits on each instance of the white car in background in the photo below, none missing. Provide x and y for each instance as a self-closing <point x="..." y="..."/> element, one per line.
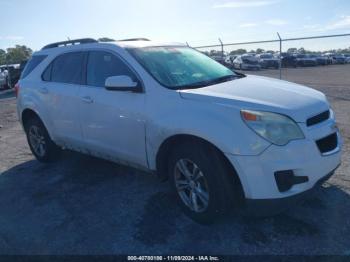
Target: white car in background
<point x="220" y="137"/>
<point x="9" y="75"/>
<point x="267" y="60"/>
<point x="246" y="62"/>
<point x="347" y="58"/>
<point x="3" y="77"/>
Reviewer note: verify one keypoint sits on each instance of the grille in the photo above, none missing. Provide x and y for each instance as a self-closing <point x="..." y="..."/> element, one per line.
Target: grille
<point x="327" y="143"/>
<point x="318" y="118"/>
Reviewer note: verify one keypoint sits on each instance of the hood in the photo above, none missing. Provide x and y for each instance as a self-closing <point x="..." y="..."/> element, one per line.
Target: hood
<point x="265" y="94"/>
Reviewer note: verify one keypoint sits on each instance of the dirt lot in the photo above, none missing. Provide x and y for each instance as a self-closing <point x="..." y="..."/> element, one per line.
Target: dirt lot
<point x="82" y="205"/>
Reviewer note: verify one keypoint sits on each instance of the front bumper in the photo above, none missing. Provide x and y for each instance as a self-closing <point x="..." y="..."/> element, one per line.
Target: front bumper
<point x="303" y="157"/>
<point x="268" y="207"/>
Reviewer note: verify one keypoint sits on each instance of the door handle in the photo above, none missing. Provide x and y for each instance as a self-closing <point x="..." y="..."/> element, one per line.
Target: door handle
<point x="43" y="90"/>
<point x="87" y="99"/>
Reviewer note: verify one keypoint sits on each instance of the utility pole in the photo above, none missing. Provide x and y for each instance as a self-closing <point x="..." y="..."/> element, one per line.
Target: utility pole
<point x="280" y="56"/>
<point x="222" y="49"/>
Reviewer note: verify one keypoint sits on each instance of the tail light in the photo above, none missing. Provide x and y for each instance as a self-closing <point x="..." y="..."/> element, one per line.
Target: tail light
<point x="17" y="89"/>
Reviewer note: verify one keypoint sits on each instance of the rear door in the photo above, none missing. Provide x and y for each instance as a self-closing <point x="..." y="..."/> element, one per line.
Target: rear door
<point x="62" y="81"/>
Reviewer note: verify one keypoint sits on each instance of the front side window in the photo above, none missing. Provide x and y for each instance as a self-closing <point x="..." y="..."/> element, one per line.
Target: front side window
<point x="102" y="65"/>
<point x="67" y="68"/>
<point x="181" y="67"/>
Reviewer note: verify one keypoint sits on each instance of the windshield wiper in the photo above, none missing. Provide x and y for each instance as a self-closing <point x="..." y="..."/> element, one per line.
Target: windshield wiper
<point x="222" y="79"/>
<point x="210" y="82"/>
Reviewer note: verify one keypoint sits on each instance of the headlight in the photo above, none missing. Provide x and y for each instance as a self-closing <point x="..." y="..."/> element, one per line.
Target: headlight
<point x="276" y="128"/>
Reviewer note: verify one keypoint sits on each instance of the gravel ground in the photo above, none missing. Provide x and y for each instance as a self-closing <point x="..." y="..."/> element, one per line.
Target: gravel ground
<point x="83" y="205"/>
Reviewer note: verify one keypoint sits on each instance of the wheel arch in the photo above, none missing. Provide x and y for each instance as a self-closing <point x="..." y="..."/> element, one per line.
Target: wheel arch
<point x="168" y="144"/>
<point x="27" y="114"/>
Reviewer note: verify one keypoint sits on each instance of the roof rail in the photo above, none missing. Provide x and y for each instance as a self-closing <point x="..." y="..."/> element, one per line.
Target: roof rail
<point x="70" y="42"/>
<point x="134" y="39"/>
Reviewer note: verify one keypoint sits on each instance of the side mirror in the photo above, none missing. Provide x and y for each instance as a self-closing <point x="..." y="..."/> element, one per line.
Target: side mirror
<point x="122" y="83"/>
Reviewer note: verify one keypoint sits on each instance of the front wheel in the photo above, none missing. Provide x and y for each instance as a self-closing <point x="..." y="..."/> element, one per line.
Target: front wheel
<point x="200" y="179"/>
<point x="40" y="143"/>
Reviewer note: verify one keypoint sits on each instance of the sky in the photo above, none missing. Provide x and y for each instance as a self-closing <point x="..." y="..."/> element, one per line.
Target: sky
<point x="36" y="23"/>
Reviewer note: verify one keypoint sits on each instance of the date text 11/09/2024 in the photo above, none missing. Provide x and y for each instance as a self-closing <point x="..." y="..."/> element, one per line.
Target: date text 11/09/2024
<point x="173" y="258"/>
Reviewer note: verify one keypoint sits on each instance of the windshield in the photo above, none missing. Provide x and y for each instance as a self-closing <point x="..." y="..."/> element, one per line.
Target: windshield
<point x="181" y="67"/>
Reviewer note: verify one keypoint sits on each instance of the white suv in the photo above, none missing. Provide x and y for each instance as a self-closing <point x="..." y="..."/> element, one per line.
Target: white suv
<point x="219" y="136"/>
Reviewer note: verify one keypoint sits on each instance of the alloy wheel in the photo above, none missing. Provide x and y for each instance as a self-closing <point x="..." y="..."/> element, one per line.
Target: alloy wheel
<point x="191" y="185"/>
<point x="37" y="140"/>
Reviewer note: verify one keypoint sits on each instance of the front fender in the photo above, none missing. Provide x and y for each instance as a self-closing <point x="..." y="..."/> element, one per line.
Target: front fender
<point x="220" y="125"/>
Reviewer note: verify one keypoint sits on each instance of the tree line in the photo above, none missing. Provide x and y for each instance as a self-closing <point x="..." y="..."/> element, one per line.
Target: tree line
<point x="20" y="53"/>
<point x="15" y="55"/>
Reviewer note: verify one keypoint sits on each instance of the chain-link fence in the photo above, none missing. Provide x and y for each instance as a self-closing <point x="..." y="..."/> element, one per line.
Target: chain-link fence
<point x="283" y="57"/>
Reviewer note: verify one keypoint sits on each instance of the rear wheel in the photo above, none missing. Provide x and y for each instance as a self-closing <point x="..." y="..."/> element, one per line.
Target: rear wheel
<point x="200" y="179"/>
<point x="40" y="143"/>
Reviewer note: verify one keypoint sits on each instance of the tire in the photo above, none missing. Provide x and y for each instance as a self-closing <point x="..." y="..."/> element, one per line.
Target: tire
<point x="209" y="181"/>
<point x="44" y="150"/>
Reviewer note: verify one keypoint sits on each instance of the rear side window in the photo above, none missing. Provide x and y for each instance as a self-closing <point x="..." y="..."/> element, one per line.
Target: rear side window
<point x="32" y="64"/>
<point x="101" y="65"/>
<point x="66" y="68"/>
<point x="46" y="76"/>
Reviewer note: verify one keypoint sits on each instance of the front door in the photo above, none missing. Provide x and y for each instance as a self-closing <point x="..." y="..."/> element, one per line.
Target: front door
<point x="113" y="122"/>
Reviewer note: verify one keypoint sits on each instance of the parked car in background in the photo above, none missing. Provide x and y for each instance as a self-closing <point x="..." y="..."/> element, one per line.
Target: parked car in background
<point x="268" y="61"/>
<point x="220" y="138"/>
<point x="3" y="77"/>
<point x="305" y="60"/>
<point x="339" y="59"/>
<point x="246" y="62"/>
<point x="321" y="60"/>
<point x="251" y="54"/>
<point x="229" y="60"/>
<point x="222" y="60"/>
<point x="347" y="58"/>
<point x="288" y="60"/>
<point x="10" y="75"/>
<point x="218" y="58"/>
<point x="328" y="58"/>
